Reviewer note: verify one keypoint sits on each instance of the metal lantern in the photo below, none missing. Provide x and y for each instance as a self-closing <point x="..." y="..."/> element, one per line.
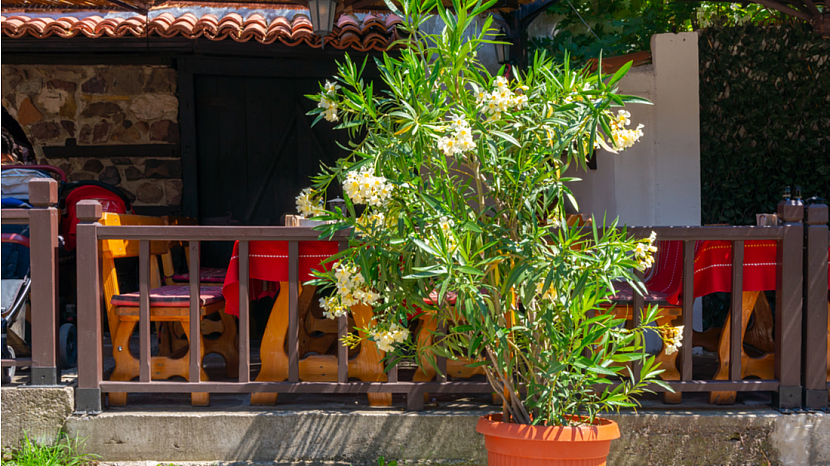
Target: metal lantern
<point x="322" y="16"/>
<point x="338" y="202"/>
<point x="503" y="50"/>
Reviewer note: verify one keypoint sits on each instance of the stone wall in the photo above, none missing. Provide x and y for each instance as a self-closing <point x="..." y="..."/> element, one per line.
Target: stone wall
<point x="103" y="105"/>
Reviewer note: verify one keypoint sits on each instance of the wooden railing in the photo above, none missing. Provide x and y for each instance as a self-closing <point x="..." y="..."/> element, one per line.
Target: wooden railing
<point x="791" y="330"/>
<point x="816" y="322"/>
<point x="43" y="239"/>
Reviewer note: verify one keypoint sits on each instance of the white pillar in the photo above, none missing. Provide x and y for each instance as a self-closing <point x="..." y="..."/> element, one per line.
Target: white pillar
<point x="676" y="129"/>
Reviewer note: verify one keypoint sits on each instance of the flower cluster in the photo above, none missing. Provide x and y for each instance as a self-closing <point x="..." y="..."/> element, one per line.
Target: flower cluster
<point x="673" y="338"/>
<point x="623" y="137"/>
<point x="351" y="290"/>
<point x="643" y="252"/>
<point x="371" y="220"/>
<point x="364" y="187"/>
<point x="386" y="339"/>
<point x="461" y="139"/>
<point x="307" y="205"/>
<point x="502" y="99"/>
<point x="327" y="101"/>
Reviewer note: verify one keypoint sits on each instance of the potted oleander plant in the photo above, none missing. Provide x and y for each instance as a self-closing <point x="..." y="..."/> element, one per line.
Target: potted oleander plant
<point x="454" y="191"/>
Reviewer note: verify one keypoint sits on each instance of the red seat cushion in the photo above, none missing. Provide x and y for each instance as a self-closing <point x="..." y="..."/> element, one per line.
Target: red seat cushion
<point x="206" y="275"/>
<point x="171" y="296"/>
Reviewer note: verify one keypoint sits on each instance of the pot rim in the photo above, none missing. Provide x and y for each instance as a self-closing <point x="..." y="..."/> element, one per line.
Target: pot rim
<point x="604" y="430"/>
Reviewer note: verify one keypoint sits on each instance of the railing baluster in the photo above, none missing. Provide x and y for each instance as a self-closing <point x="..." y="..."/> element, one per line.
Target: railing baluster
<point x="90" y="334"/>
<point x="441" y="361"/>
<point x="144" y="310"/>
<point x="392" y="374"/>
<point x="688" y="308"/>
<point x="43" y="222"/>
<point x="293" y="312"/>
<point x="244" y="316"/>
<point x="815" y="306"/>
<point x="639" y="304"/>
<point x="788" y="301"/>
<point x="736" y="320"/>
<point x="342" y="330"/>
<point x="194" y="267"/>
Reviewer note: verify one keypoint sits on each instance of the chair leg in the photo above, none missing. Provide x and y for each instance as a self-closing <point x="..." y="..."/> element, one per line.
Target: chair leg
<point x="196" y="399"/>
<point x="367" y="366"/>
<point x="126" y="365"/>
<point x="226" y="345"/>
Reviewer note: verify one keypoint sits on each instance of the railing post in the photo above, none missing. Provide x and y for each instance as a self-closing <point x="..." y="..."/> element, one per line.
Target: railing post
<point x="90" y="351"/>
<point x="788" y="301"/>
<point x="43" y="228"/>
<point x="814" y="349"/>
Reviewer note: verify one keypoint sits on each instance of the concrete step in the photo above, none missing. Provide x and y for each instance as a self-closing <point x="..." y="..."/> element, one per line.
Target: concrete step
<point x="335" y="431"/>
<point x="759" y="436"/>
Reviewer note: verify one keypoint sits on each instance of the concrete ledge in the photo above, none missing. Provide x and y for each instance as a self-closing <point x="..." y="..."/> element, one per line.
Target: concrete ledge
<point x="447" y="436"/>
<point x="282" y="436"/>
<point x="38" y="412"/>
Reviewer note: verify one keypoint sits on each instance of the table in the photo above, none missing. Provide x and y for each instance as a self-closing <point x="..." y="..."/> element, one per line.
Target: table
<point x="268" y="265"/>
<point x="712" y="274"/>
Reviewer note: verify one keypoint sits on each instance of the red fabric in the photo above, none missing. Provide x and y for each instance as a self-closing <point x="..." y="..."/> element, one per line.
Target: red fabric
<point x="713" y="268"/>
<point x="268" y="262"/>
<point x="171" y="296"/>
<point x="110" y="202"/>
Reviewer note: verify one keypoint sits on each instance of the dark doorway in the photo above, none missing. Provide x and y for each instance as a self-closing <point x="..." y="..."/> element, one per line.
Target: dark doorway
<point x="256" y="150"/>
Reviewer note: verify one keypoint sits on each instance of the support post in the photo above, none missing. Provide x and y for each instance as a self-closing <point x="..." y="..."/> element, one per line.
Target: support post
<point x="788" y="302"/>
<point x="816" y="325"/>
<point x="43" y="227"/>
<point x="90" y="334"/>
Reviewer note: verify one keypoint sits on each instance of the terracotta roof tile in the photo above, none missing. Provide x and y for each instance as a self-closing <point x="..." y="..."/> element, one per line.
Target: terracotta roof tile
<point x="373" y="33"/>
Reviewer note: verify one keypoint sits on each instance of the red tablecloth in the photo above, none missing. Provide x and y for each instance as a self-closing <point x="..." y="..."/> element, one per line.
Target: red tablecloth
<point x="713" y="268"/>
<point x="268" y="265"/>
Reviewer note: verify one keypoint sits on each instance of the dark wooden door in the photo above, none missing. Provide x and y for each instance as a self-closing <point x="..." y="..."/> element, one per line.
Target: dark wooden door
<point x="256" y="150"/>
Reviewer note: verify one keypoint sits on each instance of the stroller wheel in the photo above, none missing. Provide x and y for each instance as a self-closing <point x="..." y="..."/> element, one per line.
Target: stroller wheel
<point x="8" y="372"/>
<point x="69" y="346"/>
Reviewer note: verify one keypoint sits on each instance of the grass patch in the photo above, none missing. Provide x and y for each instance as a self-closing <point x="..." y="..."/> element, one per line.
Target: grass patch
<point x="66" y="452"/>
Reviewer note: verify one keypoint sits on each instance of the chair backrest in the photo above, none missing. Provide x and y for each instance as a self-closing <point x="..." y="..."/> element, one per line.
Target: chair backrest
<point x="167" y="259"/>
<point x="112" y="249"/>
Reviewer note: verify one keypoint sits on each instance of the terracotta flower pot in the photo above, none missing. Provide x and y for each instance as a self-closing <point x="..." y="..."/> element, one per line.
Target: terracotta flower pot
<point x="525" y="445"/>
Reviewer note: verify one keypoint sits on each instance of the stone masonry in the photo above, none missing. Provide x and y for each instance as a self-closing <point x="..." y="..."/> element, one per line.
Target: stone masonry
<point x="100" y="106"/>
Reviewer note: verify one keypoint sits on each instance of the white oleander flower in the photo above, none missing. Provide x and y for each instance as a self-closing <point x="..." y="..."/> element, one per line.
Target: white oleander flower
<point x="352" y="290"/>
<point x="331" y="88"/>
<point x="673" y="339"/>
<point x="364" y="187"/>
<point x="387" y="339"/>
<point x="307" y="205"/>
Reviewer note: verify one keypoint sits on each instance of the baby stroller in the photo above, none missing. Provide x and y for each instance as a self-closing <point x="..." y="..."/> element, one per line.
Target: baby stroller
<point x="112" y="200"/>
<point x="16" y="280"/>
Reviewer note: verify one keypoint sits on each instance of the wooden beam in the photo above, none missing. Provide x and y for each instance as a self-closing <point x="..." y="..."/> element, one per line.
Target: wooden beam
<point x="812" y="7"/>
<point x="784" y="9"/>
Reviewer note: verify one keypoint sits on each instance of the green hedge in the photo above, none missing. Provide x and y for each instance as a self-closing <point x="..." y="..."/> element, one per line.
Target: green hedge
<point x="764" y="118"/>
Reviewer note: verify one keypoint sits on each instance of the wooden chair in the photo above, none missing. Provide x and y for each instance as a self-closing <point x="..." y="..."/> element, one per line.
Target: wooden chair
<point x="172" y="337"/>
<point x="167" y="304"/>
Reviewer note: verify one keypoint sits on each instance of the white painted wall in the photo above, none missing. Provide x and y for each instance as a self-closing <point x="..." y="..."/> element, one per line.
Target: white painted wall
<point x="656" y="182"/>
